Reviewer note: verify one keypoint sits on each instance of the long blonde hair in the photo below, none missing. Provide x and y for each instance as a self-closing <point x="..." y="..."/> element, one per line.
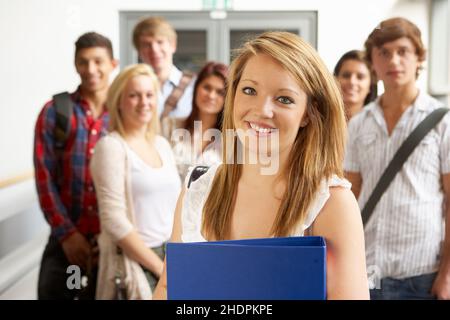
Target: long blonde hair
<point x="115" y="93"/>
<point x="317" y="152"/>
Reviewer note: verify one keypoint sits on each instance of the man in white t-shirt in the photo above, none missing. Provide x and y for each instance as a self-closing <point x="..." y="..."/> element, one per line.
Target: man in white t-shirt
<point x="156" y="42"/>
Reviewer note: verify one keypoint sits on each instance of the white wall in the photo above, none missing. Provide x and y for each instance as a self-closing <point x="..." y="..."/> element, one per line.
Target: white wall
<point x="36" y="55"/>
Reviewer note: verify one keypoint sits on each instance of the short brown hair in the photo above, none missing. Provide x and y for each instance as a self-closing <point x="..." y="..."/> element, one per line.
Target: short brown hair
<point x="91" y="40"/>
<point x="153" y="26"/>
<point x="391" y="30"/>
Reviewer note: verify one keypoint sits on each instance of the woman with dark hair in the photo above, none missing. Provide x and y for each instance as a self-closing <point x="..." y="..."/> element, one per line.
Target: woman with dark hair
<point x="357" y="82"/>
<point x="198" y="141"/>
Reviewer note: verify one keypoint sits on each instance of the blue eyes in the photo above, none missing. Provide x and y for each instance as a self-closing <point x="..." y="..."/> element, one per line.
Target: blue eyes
<point x="282" y="99"/>
<point x="285" y="100"/>
<point x="249" y="91"/>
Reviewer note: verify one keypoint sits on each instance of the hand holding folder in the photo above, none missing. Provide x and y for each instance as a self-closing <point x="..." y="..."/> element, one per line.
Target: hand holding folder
<point x="252" y="269"/>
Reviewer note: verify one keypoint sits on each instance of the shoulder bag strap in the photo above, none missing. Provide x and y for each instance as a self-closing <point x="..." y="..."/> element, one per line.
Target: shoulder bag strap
<point x="400" y="158"/>
<point x="64" y="109"/>
<point x="171" y="102"/>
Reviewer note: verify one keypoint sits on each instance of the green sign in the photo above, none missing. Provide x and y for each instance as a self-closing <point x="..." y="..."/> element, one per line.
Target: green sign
<point x="217" y="4"/>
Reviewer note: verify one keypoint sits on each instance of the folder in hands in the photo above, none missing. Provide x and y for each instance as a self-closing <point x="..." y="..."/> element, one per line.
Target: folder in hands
<point x="289" y="268"/>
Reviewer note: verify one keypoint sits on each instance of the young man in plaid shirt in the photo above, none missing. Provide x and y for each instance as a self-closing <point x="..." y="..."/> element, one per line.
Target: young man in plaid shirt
<point x="63" y="181"/>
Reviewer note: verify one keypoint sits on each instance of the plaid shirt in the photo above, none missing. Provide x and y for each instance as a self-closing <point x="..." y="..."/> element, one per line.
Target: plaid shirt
<point x="68" y="201"/>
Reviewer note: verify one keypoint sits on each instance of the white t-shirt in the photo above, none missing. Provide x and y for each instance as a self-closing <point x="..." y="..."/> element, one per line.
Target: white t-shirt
<point x="196" y="195"/>
<point x="155" y="192"/>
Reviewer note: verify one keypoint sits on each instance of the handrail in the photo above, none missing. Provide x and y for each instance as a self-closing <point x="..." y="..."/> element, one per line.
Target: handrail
<point x="16" y="179"/>
<point x="17" y="197"/>
<point x="18" y="263"/>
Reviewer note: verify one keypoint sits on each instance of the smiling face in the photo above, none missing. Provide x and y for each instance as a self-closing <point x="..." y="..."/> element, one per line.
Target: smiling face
<point x="354" y="79"/>
<point x="94" y="66"/>
<point x="138" y="102"/>
<point x="210" y="95"/>
<point x="396" y="62"/>
<point x="157" y="51"/>
<point x="268" y="100"/>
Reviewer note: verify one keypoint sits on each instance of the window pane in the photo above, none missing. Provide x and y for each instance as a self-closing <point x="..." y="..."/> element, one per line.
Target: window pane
<point x="191" y="50"/>
<point x="238" y="37"/>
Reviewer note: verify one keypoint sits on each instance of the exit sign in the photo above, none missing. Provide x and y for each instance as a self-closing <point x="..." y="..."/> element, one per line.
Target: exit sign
<point x="217" y="5"/>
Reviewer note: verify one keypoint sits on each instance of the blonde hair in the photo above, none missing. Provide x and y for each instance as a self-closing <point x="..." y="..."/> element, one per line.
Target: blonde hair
<point x="154" y="26"/>
<point x="115" y="94"/>
<point x="317" y="152"/>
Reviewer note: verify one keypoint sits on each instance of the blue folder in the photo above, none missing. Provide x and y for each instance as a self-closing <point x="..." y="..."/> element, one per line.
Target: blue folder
<point x="290" y="268"/>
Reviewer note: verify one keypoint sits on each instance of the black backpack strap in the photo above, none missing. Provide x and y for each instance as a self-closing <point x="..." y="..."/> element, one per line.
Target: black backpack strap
<point x="400" y="158"/>
<point x="197" y="173"/>
<point x="64" y="110"/>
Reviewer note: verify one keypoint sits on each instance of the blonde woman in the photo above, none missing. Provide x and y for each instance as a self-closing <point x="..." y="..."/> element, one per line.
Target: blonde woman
<point x="137" y="185"/>
<point x="278" y="85"/>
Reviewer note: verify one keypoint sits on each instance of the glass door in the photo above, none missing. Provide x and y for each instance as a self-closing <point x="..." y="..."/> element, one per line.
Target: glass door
<point x="202" y="38"/>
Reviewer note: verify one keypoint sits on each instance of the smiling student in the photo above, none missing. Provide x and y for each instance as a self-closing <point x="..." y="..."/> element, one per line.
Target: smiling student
<point x="155" y="40"/>
<point x="137" y="185"/>
<point x="280" y="88"/>
<point x="63" y="181"/>
<point x="357" y="81"/>
<point x="194" y="145"/>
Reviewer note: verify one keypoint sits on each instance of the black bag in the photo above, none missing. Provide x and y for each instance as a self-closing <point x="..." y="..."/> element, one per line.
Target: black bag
<point x="197" y="173"/>
<point x="64" y="110"/>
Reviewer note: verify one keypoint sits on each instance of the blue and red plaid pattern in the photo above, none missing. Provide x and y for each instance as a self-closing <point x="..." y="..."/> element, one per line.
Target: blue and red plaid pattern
<point x="68" y="201"/>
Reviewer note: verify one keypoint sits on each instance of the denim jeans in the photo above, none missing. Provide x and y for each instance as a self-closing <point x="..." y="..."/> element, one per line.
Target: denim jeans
<point x="413" y="288"/>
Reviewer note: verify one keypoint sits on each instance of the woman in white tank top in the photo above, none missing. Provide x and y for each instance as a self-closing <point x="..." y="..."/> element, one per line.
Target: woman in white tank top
<point x="284" y="131"/>
<point x="137" y="185"/>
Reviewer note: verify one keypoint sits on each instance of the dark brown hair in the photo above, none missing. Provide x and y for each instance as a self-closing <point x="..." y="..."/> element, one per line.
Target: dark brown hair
<point x="359" y="56"/>
<point x="91" y="40"/>
<point x="210" y="69"/>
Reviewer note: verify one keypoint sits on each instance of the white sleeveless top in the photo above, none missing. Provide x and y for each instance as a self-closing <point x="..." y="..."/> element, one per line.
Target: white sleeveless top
<point x="196" y="195"/>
